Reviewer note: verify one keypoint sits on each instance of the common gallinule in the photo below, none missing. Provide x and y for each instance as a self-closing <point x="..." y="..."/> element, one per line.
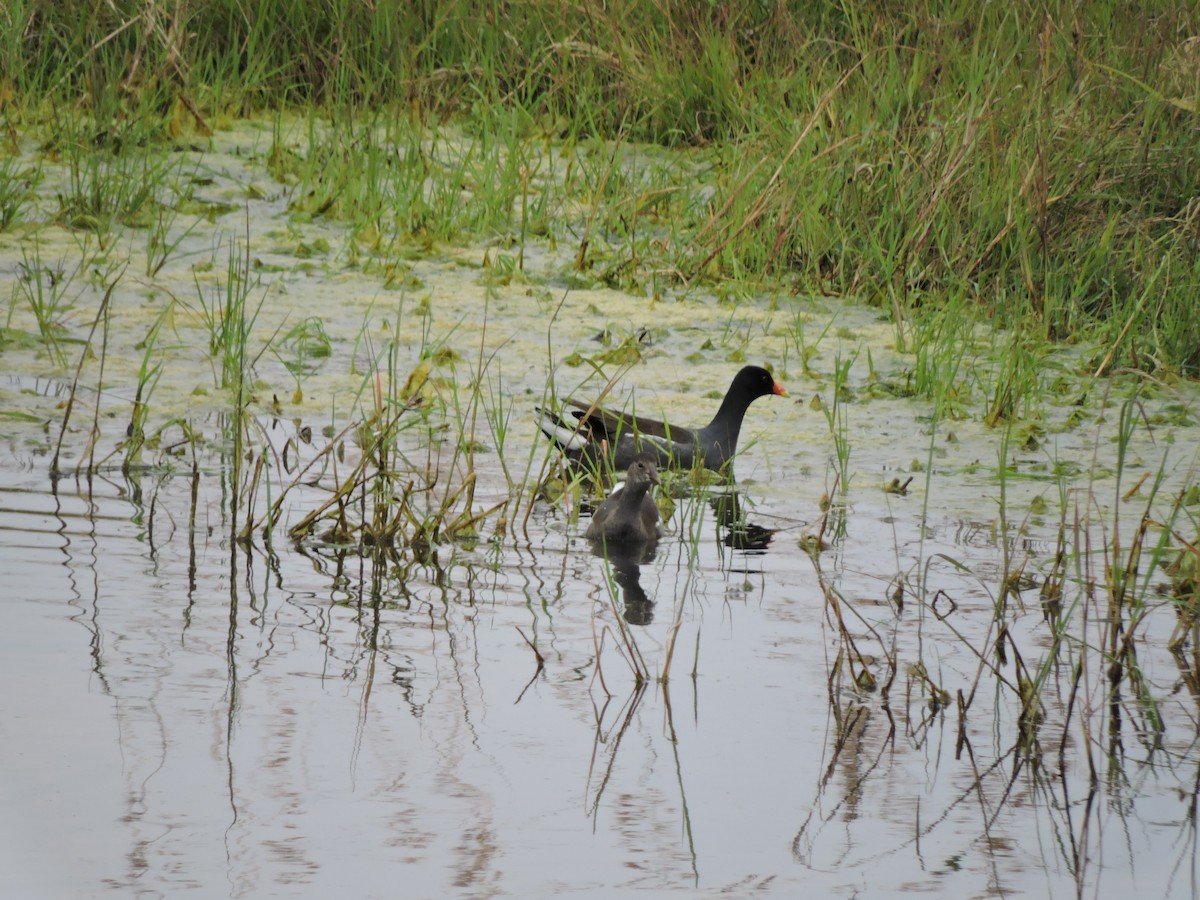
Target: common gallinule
<point x="589" y="434"/>
<point x="629" y="515"/>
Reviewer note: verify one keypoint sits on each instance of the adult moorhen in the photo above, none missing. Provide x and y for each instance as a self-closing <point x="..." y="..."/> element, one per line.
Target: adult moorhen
<point x="589" y="434"/>
<point x="629" y="515"/>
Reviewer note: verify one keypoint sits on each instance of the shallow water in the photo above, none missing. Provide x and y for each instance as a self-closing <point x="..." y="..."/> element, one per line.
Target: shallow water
<point x="188" y="714"/>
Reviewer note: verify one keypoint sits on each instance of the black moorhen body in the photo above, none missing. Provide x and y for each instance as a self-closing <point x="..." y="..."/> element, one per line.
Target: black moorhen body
<point x="629" y="515"/>
<point x="589" y="434"/>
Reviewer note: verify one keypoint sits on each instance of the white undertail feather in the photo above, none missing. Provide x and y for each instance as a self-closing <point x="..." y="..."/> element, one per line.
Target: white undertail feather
<point x="566" y="436"/>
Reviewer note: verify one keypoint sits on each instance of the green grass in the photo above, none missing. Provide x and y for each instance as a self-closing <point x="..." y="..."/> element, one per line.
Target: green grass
<point x="16" y="189"/>
<point x="43" y="288"/>
<point x="391" y="501"/>
<point x="224" y="307"/>
<point x="302" y="350"/>
<point x="1034" y="164"/>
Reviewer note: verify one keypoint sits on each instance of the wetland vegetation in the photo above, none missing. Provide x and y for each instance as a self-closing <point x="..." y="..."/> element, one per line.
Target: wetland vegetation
<point x="286" y="283"/>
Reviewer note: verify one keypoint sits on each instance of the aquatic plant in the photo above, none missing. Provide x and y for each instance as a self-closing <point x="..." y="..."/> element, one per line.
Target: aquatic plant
<point x="149" y="373"/>
<point x="43" y="289"/>
<point x="835" y="414"/>
<point x="301" y="349"/>
<point x="103" y="313"/>
<point x="104" y="190"/>
<point x="229" y="320"/>
<point x="387" y="498"/>
<point x="16" y="190"/>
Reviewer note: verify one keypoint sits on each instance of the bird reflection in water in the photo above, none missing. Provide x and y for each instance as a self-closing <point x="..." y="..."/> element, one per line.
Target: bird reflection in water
<point x="624" y="532"/>
<point x="626" y="561"/>
<point x="736" y="532"/>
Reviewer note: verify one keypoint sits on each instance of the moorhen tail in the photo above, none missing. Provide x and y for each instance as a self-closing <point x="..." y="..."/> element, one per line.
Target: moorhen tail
<point x="589" y="434"/>
<point x="629" y="515"/>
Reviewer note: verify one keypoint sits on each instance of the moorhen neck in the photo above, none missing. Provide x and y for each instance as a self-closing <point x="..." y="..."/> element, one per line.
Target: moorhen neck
<point x="589" y="434"/>
<point x="629" y="514"/>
